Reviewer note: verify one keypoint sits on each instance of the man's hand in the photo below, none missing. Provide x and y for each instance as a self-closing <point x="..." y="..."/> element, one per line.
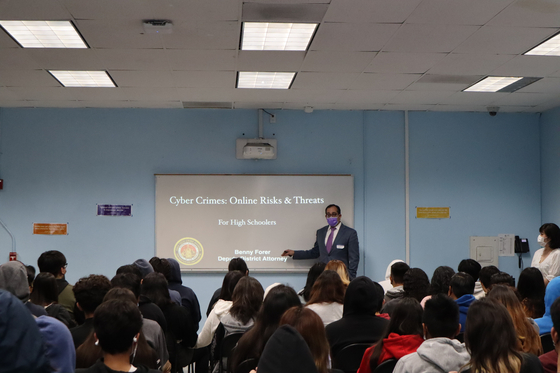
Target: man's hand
<point x="288" y="253"/>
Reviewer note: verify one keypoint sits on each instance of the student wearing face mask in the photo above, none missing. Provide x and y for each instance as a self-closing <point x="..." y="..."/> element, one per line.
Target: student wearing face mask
<point x="547" y="259"/>
<point x="334" y="241"/>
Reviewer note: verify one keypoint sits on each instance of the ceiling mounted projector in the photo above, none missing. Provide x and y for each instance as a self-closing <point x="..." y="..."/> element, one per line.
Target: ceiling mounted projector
<point x="157" y="26"/>
<point x="256" y="148"/>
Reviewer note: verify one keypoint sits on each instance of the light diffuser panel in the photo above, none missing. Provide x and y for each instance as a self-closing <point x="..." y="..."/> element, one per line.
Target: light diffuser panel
<point x="492" y="84"/>
<point x="551" y="47"/>
<point x="83" y="78"/>
<point x="264" y="80"/>
<point x="44" y="34"/>
<point x="258" y="36"/>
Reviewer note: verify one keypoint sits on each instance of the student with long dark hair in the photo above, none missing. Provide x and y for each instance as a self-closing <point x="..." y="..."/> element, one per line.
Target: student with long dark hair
<point x="45" y="294"/>
<point x="441" y="279"/>
<point x="314" y="272"/>
<point x="403" y="336"/>
<point x="327" y="297"/>
<point x="279" y="299"/>
<point x="531" y="290"/>
<point x="491" y="339"/>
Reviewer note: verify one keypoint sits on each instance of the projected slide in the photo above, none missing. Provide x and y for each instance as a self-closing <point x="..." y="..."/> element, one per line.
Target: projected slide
<point x="205" y="220"/>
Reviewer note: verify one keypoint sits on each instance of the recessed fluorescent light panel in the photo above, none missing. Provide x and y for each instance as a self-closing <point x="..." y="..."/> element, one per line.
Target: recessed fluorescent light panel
<point x="44" y="34"/>
<point x="551" y="47"/>
<point x="259" y="36"/>
<point x="501" y="84"/>
<point x="264" y="80"/>
<point x="83" y="78"/>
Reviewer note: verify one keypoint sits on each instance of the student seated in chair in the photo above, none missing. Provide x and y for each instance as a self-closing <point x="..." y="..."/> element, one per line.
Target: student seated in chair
<point x="440" y="352"/>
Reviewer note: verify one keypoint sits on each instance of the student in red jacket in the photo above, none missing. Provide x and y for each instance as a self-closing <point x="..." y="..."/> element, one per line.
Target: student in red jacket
<point x="403" y="336"/>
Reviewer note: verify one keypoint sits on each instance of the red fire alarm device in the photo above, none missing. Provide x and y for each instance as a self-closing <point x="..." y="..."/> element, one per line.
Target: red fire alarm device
<point x="1" y="184"/>
<point x="13" y="256"/>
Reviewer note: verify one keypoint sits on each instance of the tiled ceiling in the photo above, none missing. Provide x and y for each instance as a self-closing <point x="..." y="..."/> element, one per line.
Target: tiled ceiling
<point x="366" y="54"/>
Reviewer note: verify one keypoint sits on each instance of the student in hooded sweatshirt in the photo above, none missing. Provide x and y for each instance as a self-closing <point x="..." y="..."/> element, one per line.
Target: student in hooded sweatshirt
<point x="397" y="280"/>
<point x="552" y="292"/>
<point x="461" y="290"/>
<point x="13" y="278"/>
<point x="188" y="297"/>
<point x="440" y="352"/>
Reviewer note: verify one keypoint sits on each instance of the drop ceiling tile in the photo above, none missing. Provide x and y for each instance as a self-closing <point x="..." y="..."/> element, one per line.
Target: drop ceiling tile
<point x="366" y="97"/>
<point x="150" y="94"/>
<point x="473" y="98"/>
<point x="469" y="64"/>
<point x="269" y="61"/>
<point x="33" y="10"/>
<point x="206" y="94"/>
<point x="526" y="99"/>
<point x="327" y="61"/>
<point x="28" y="78"/>
<point x="310" y="80"/>
<point x="8" y="94"/>
<point x="429" y="38"/>
<point x="518" y="109"/>
<point x="108" y="9"/>
<point x="397" y="62"/>
<point x="203" y="34"/>
<point x="181" y="59"/>
<point x="529" y="13"/>
<point x="353" y="37"/>
<point x="261" y="95"/>
<point x="475" y="108"/>
<point x="441" y="86"/>
<point x="419" y="98"/>
<point x="258" y="105"/>
<point x="19" y="59"/>
<point x="381" y="11"/>
<point x="457" y="12"/>
<point x="6" y="42"/>
<point x="204" y="79"/>
<point x="133" y="59"/>
<point x="127" y="33"/>
<point x="148" y="78"/>
<point x="195" y="10"/>
<point x="504" y="40"/>
<point x="546" y="85"/>
<point x="300" y="106"/>
<point x="384" y="82"/>
<point x="529" y="66"/>
<point x="312" y="97"/>
<point x="72" y="94"/>
<point x="371" y="106"/>
<point x="155" y="104"/>
<point x="411" y="107"/>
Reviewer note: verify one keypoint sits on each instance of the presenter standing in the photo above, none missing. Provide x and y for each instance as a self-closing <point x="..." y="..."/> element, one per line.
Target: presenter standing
<point x="334" y="241"/>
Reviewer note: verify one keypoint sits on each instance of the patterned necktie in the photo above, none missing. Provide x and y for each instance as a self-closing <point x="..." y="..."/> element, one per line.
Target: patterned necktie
<point x="329" y="241"/>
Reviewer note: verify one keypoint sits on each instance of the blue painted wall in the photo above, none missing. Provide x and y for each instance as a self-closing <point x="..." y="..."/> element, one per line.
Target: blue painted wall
<point x="58" y="163"/>
<point x="550" y="166"/>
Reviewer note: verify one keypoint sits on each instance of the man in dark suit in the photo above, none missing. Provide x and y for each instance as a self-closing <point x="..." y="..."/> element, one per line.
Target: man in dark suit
<point x="334" y="241"/>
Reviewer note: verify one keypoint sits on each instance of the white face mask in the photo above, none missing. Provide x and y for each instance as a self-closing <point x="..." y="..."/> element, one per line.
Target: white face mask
<point x="540" y="240"/>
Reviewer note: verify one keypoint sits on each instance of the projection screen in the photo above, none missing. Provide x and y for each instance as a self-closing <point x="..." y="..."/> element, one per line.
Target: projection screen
<point x="205" y="220"/>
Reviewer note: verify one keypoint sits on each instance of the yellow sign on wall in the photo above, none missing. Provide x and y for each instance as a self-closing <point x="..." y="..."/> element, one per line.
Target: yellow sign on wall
<point x="432" y="212"/>
<point x="50" y="229"/>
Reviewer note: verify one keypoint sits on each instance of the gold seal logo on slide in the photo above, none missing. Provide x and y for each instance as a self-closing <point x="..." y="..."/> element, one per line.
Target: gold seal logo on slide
<point x="188" y="251"/>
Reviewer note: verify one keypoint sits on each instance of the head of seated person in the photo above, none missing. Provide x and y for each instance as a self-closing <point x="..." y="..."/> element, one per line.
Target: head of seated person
<point x="90" y="291"/>
<point x="416" y="284"/>
<point x="461" y="284"/>
<point x="363" y="297"/>
<point x="470" y="266"/>
<point x="247" y="299"/>
<point x="531" y="290"/>
<point x="314" y="273"/>
<point x="339" y="267"/>
<point x="397" y="273"/>
<point x="327" y="289"/>
<point x="128" y="281"/>
<point x="238" y="264"/>
<point x="502" y="278"/>
<point x="485" y="276"/>
<point x="441" y="317"/>
<point x="228" y="285"/>
<point x="441" y="279"/>
<point x="555" y="330"/>
<point x="130" y="268"/>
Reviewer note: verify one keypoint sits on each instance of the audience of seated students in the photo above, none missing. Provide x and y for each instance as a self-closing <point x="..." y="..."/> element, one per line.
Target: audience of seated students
<point x="491" y="339"/>
<point x="88" y="353"/>
<point x="415" y="285"/>
<point x="485" y="275"/>
<point x="55" y="262"/>
<point x="472" y="267"/>
<point x="286" y="342"/>
<point x="397" y="280"/>
<point x="502" y="278"/>
<point x="386" y="283"/>
<point x="461" y="290"/>
<point x="311" y="328"/>
<point x="339" y="267"/>
<point x="441" y="279"/>
<point x="220" y="309"/>
<point x="327" y="297"/>
<point x="117" y="325"/>
<point x="152" y="329"/>
<point x="181" y="331"/>
<point x="359" y="323"/>
<point x="45" y="294"/>
<point x="549" y="360"/>
<point x="21" y="346"/>
<point x="13" y="278"/>
<point x="251" y="345"/>
<point x="440" y="352"/>
<point x="403" y="336"/>
<point x="236" y="264"/>
<point x="531" y="290"/>
<point x="164" y="267"/>
<point x="89" y="293"/>
<point x="246" y="301"/>
<point x="314" y="273"/>
<point x="551" y="294"/>
<point x="527" y="330"/>
<point x="188" y="297"/>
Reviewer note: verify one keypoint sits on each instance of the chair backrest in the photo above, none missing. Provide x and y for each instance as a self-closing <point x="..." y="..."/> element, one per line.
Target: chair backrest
<point x="460" y="337"/>
<point x="348" y="359"/>
<point x="228" y="344"/>
<point x="246" y="366"/>
<point x="547" y="345"/>
<point x="386" y="367"/>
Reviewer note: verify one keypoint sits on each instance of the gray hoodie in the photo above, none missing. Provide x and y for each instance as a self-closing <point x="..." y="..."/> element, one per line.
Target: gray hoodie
<point x="435" y="355"/>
